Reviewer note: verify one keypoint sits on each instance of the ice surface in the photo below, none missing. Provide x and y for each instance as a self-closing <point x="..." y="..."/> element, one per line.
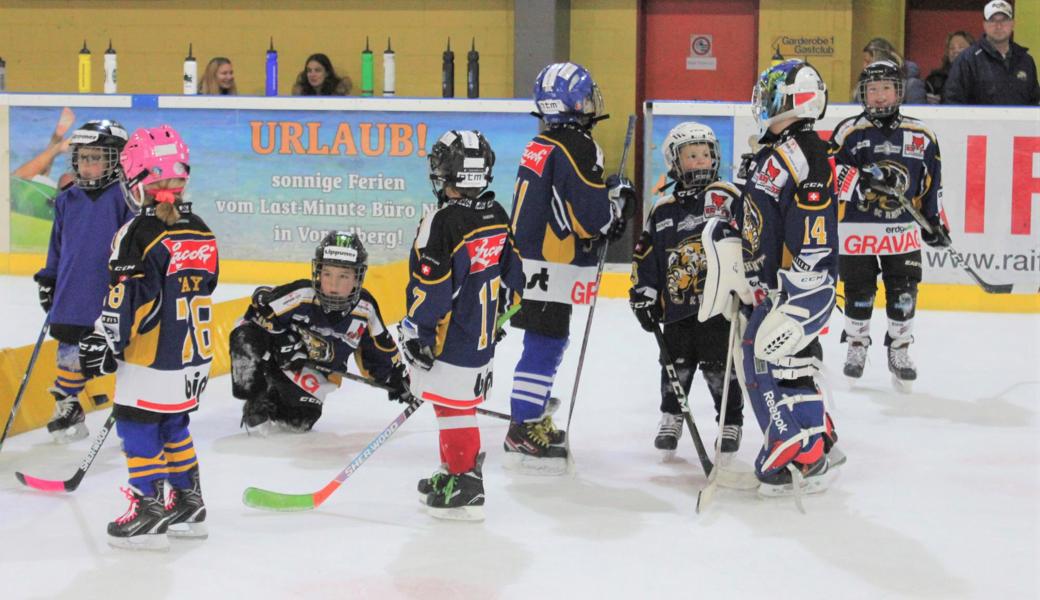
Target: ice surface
<point x="939" y="498"/>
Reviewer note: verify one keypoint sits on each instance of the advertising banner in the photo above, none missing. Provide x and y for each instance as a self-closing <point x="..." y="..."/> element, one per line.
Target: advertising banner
<point x="990" y="175"/>
<point x="270" y="183"/>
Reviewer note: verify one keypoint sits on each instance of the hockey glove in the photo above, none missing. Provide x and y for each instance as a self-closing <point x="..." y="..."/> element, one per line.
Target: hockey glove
<point x="96" y="357"/>
<point x="46" y="289"/>
<point x="646" y="309"/>
<point x="417" y="352"/>
<point x="398" y="380"/>
<point x="939" y="234"/>
<point x="287" y="350"/>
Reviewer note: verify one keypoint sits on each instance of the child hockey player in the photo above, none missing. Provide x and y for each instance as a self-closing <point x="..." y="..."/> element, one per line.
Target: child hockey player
<point x="75" y="279"/>
<point x="463" y="270"/>
<point x="668" y="271"/>
<point x="898" y="161"/>
<point x="155" y="333"/>
<point x="294" y="337"/>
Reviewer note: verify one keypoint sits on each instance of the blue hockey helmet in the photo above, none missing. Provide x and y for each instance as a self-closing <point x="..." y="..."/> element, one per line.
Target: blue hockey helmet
<point x="566" y="93"/>
<point x="792" y="88"/>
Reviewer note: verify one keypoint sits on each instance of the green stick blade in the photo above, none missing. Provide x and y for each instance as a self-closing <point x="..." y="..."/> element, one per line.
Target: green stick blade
<point x="268" y="500"/>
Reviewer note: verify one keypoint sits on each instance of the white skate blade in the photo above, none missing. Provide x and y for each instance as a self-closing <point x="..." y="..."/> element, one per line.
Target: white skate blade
<point x="836" y="457"/>
<point x="530" y="465"/>
<point x="903" y="386"/>
<point x="461" y="513"/>
<point x="197" y="531"/>
<point x="70" y="434"/>
<point x="156" y="542"/>
<point x="811" y="485"/>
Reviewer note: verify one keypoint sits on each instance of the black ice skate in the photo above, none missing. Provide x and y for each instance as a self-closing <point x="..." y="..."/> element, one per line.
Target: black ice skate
<point x="856" y="359"/>
<point x="143" y="526"/>
<point x="529" y="448"/>
<point x="668" y="432"/>
<point x="813" y="479"/>
<point x="187" y="512"/>
<point x="903" y="370"/>
<point x="731" y="435"/>
<point x="433" y="483"/>
<point x="459" y="497"/>
<point x="68" y="423"/>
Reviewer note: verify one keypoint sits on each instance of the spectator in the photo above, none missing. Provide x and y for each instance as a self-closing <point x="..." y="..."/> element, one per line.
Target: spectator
<point x="318" y="78"/>
<point x="913" y="88"/>
<point x="956" y="42"/>
<point x="994" y="70"/>
<point x="219" y="78"/>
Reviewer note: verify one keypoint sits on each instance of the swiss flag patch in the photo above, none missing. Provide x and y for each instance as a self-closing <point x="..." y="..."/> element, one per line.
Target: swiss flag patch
<point x="814" y="197"/>
<point x="425" y="270"/>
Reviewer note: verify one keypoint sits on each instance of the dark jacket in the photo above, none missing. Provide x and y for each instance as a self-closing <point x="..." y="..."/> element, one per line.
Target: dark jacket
<point x="980" y="75"/>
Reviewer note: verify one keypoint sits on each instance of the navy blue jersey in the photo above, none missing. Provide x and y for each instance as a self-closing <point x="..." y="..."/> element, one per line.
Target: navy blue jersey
<point x="883" y="226"/>
<point x="790" y="212"/>
<point x="77" y="257"/>
<point x="668" y="261"/>
<point x="463" y="253"/>
<point x="560" y="213"/>
<point x="331" y="338"/>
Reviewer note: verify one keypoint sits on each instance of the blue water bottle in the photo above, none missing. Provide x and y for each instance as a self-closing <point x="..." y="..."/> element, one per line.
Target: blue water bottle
<point x="271" y="85"/>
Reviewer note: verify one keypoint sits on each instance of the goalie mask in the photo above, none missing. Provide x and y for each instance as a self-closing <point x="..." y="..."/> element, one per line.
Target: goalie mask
<point x="462" y="160"/>
<point x="339" y="249"/>
<point x="565" y="93"/>
<point x="792" y="88"/>
<point x="689" y="134"/>
<point x="885" y="100"/>
<point x="97" y="141"/>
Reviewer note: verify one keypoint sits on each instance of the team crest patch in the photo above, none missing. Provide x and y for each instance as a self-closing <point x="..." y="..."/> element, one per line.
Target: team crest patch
<point x="197" y="255"/>
<point x="485" y="252"/>
<point x="767" y="178"/>
<point x="535" y="156"/>
<point x="686" y="268"/>
<point x="914" y="144"/>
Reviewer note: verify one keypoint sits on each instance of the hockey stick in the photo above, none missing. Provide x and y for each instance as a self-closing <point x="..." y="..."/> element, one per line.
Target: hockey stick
<point x="383" y="386"/>
<point x="677" y="389"/>
<point x="277" y="501"/>
<point x="70" y="484"/>
<point x="629" y="134"/>
<point x="959" y="261"/>
<point x="25" y="378"/>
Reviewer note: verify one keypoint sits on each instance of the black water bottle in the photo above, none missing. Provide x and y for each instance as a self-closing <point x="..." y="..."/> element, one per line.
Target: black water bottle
<point x="448" y="72"/>
<point x="473" y="71"/>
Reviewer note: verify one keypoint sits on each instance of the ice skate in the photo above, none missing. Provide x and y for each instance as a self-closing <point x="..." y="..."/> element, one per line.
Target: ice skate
<point x="529" y="448"/>
<point x="814" y="479"/>
<point x="668" y="432"/>
<point x="433" y="483"/>
<point x="143" y="526"/>
<point x="459" y="497"/>
<point x="187" y="512"/>
<point x="68" y="423"/>
<point x="903" y="370"/>
<point x="731" y="435"/>
<point x="856" y="359"/>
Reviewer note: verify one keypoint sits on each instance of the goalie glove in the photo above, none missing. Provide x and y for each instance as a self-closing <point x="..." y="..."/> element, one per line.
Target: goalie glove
<point x="804" y="305"/>
<point x="96" y="356"/>
<point x="415" y="351"/>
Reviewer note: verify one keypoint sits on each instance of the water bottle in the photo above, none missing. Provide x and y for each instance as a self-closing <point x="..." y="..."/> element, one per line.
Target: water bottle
<point x="191" y="74"/>
<point x="110" y="69"/>
<point x="389" y="70"/>
<point x="448" y="72"/>
<point x="473" y="71"/>
<point x="84" y="69"/>
<point x="3" y="75"/>
<point x="271" y="71"/>
<point x="367" y="68"/>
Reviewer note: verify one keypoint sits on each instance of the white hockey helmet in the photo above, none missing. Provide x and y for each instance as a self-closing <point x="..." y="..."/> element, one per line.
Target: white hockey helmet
<point x="792" y="88"/>
<point x="685" y="134"/>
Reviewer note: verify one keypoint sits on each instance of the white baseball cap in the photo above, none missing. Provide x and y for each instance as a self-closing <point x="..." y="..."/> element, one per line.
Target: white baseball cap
<point x="998" y="6"/>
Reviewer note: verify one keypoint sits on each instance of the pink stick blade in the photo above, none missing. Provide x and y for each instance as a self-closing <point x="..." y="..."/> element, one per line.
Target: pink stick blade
<point x="45" y="485"/>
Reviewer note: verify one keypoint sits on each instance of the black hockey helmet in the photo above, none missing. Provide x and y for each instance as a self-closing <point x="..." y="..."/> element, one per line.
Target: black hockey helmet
<point x="108" y="135"/>
<point x="461" y="159"/>
<point x="881" y="70"/>
<point x="339" y="249"/>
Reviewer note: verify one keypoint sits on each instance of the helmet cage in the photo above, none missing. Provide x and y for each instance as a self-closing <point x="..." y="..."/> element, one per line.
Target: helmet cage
<point x="566" y="93"/>
<point x="110" y="138"/>
<point x="461" y="159"/>
<point x="339" y="249"/>
<point x="881" y="71"/>
<point x="683" y="135"/>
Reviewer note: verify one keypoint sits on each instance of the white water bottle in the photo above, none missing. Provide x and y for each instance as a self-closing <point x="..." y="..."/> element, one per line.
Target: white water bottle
<point x="110" y="69"/>
<point x="191" y="74"/>
<point x="389" y="70"/>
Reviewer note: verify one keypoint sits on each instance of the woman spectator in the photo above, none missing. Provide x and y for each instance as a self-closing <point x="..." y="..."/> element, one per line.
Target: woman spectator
<point x="219" y="78"/>
<point x="913" y="88"/>
<point x="956" y="42"/>
<point x="318" y="78"/>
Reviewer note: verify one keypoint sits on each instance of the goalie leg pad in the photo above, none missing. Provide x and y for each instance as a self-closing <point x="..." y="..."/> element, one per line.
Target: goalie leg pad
<point x="724" y="276"/>
<point x="247" y="345"/>
<point x="293" y="405"/>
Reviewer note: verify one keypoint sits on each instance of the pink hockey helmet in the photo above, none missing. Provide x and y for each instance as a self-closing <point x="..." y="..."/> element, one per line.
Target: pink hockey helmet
<point x="155" y="154"/>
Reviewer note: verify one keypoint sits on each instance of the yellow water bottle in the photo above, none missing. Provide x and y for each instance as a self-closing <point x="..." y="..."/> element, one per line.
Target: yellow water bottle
<point x="84" y="69"/>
